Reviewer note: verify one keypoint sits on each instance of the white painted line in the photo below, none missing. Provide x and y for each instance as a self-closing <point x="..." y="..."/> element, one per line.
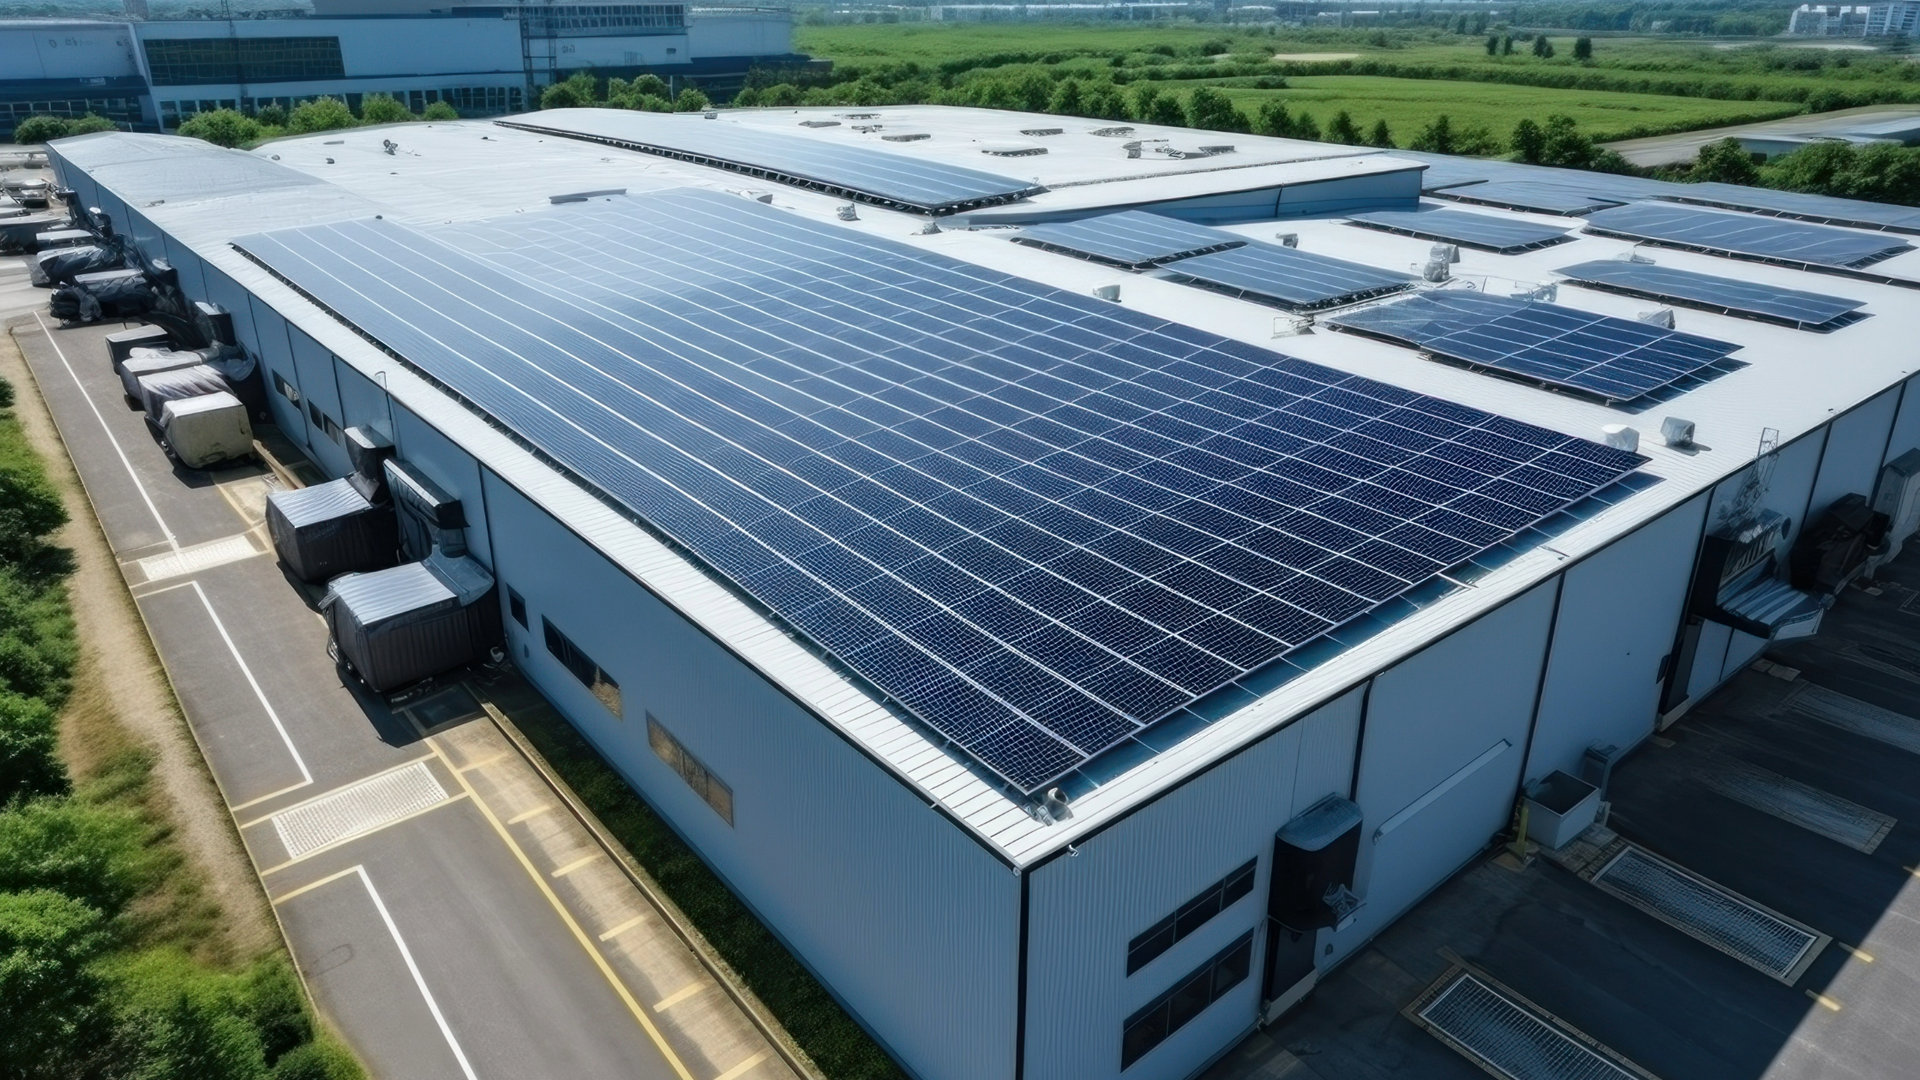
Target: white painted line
<point x="192" y="560"/>
<point x="741" y="1069"/>
<point x="680" y="995"/>
<point x="251" y="681"/>
<point x="142" y="488"/>
<point x="418" y="980"/>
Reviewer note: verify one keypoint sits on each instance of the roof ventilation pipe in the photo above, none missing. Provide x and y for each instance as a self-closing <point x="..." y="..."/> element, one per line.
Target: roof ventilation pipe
<point x="1056" y="803"/>
<point x="931" y="228"/>
<point x="1449" y="252"/>
<point x="1437" y="270"/>
<point x="1107" y="292"/>
<point x="1288" y="239"/>
<point x="1621" y="437"/>
<point x="1662" y="318"/>
<point x="1677" y="433"/>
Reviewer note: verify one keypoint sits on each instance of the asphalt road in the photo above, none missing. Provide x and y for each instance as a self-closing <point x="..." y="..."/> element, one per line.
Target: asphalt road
<point x="445" y="942"/>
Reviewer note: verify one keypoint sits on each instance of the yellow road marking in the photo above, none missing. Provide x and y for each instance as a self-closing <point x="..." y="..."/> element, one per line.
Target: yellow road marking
<point x="575" y="865"/>
<point x="623" y="928"/>
<point x="741" y="1069"/>
<point x="1863" y="957"/>
<point x="324" y="794"/>
<point x="494" y="760"/>
<point x="679" y="996"/>
<point x="539" y="880"/>
<point x="1825" y="1001"/>
<point x="250" y="803"/>
<point x="530" y="814"/>
<point x="298" y="859"/>
<point x="312" y="885"/>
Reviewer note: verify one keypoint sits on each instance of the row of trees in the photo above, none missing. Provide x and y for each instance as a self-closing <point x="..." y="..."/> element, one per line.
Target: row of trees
<point x="97" y="910"/>
<point x="644" y="93"/>
<point x="41" y="128"/>
<point x="1502" y="45"/>
<point x="226" y="127"/>
<point x="1881" y="172"/>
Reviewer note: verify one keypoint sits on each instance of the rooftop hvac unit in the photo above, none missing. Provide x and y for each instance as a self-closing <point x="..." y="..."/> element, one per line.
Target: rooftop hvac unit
<point x="1677" y="433"/>
<point x="1898" y="497"/>
<point x="149" y="361"/>
<point x="1621" y="437"/>
<point x="121" y="344"/>
<point x="1313" y="862"/>
<point x="208" y="430"/>
<point x="330" y="529"/>
<point x="1449" y="252"/>
<point x="395" y="627"/>
<point x="153" y="391"/>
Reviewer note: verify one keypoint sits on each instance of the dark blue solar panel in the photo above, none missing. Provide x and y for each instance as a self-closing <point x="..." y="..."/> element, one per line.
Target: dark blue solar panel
<point x="692" y="354"/>
<point x="1571" y="197"/>
<point x="1808" y="310"/>
<point x="1468" y="230"/>
<point x="1792" y="242"/>
<point x="849" y="170"/>
<point x="1614" y="359"/>
<point x="1130" y="238"/>
<point x="1291" y="278"/>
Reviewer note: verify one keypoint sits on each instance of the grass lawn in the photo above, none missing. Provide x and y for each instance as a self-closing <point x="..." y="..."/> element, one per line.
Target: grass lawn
<point x="1410" y="104"/>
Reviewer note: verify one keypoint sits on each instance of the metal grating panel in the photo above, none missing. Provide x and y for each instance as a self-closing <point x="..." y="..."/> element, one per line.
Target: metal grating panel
<point x="1483" y="231"/>
<point x="1732" y="296"/>
<point x="1288" y="277"/>
<point x="359" y="808"/>
<point x="848" y="170"/>
<point x="1704" y="910"/>
<point x="1859" y="717"/>
<point x="1130" y="238"/>
<point x="1037" y="521"/>
<point x="1719" y="232"/>
<point x="1510" y="1040"/>
<point x="1613" y="359"/>
<point x="1817" y="811"/>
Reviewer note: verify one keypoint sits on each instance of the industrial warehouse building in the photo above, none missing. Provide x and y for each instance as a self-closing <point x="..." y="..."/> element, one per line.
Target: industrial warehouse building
<point x="482" y="60"/>
<point x="997" y="543"/>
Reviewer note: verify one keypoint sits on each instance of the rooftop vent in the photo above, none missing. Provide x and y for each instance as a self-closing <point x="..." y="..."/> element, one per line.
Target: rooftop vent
<point x="1677" y="433"/>
<point x="819" y="123"/>
<point x="1449" y="252"/>
<point x="1001" y="150"/>
<point x="1621" y="437"/>
<point x="1633" y="255"/>
<point x="1113" y="132"/>
<point x="930" y="228"/>
<point x="583" y="196"/>
<point x="1436" y="271"/>
<point x="1662" y="318"/>
<point x="866" y="129"/>
<point x="1288" y="239"/>
<point x="1038" y="132"/>
<point x="859" y="116"/>
<point x="914" y="136"/>
<point x="848" y="212"/>
<point x="1107" y="292"/>
<point x="1222" y="148"/>
<point x="712" y="115"/>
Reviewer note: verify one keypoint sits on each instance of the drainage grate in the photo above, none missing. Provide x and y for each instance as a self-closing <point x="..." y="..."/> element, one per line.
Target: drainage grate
<point x="1507" y="1038"/>
<point x="1723" y="919"/>
<point x="1859" y="717"/>
<point x="359" y="808"/>
<point x="1799" y="804"/>
<point x="192" y="560"/>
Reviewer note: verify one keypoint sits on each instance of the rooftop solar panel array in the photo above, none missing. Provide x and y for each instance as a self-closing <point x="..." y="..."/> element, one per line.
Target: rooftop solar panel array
<point x="1038" y="521"/>
<point x="1542" y="196"/>
<point x="1291" y="278"/>
<point x="846" y="169"/>
<point x="1791" y="242"/>
<point x="1615" y="359"/>
<point x="1130" y="238"/>
<point x="1482" y="231"/>
<point x="1808" y="310"/>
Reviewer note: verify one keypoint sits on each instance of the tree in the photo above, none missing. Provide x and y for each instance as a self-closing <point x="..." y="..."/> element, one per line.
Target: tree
<point x="39" y="129"/>
<point x="1542" y="48"/>
<point x="649" y="83"/>
<point x="48" y="943"/>
<point x="692" y="99"/>
<point x="95" y="854"/>
<point x="1724" y="162"/>
<point x="1506" y="45"/>
<point x="1528" y="141"/>
<point x="580" y="90"/>
<point x="1032" y="91"/>
<point x="1144" y="97"/>
<point x="29" y="740"/>
<point x="1583" y="48"/>
<point x="1493" y="44"/>
<point x="1341" y="129"/>
<point x="440" y="110"/>
<point x="1210" y="110"/>
<point x="320" y="114"/>
<point x="221" y="127"/>
<point x="1436" y="137"/>
<point x="1381" y="135"/>
<point x="383" y="109"/>
<point x="1885" y="172"/>
<point x="272" y="116"/>
<point x="1167" y="111"/>
<point x="1563" y="145"/>
<point x="1306" y="127"/>
<point x="1273" y="119"/>
<point x="1105" y="102"/>
<point x="1067" y="99"/>
<point x="88" y="124"/>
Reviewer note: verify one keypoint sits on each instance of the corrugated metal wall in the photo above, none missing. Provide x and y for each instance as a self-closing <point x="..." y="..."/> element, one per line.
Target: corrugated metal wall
<point x="1084" y="909"/>
<point x="1851" y="463"/>
<point x="909" y="921"/>
<point x="276" y="358"/>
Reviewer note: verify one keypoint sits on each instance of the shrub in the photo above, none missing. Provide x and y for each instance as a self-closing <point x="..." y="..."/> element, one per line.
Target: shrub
<point x="440" y="110"/>
<point x="221" y="127"/>
<point x="36" y="637"/>
<point x="1436" y="137"/>
<point x="1211" y="110"/>
<point x="579" y="91"/>
<point x="1724" y="162"/>
<point x="1528" y="141"/>
<point x="47" y="943"/>
<point x="691" y="100"/>
<point x="1381" y="135"/>
<point x="39" y="129"/>
<point x="173" y="1018"/>
<point x="272" y="116"/>
<point x="1341" y="129"/>
<point x="383" y="109"/>
<point x="88" y="124"/>
<point x="30" y="508"/>
<point x="29" y="738"/>
<point x="320" y="114"/>
<point x="95" y="854"/>
<point x="320" y="1060"/>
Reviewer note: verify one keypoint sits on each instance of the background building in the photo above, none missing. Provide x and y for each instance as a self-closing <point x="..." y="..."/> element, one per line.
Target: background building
<point x="481" y="60"/>
<point x="987" y="905"/>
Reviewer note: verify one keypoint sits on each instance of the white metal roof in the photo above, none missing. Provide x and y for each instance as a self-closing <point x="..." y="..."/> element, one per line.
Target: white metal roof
<point x="1793" y="381"/>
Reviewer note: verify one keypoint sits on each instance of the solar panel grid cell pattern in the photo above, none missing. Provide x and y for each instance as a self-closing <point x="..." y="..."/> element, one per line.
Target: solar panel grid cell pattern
<point x="909" y="182"/>
<point x="1037" y="521"/>
<point x="1129" y="238"/>
<point x="1742" y="234"/>
<point x="1614" y="359"/>
<point x="1294" y="279"/>
<point x="1459" y="227"/>
<point x="1733" y="295"/>
<point x="1538" y="195"/>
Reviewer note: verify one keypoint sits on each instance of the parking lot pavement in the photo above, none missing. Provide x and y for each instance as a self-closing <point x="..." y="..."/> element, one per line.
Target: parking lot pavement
<point x="1797" y="787"/>
<point x="451" y="914"/>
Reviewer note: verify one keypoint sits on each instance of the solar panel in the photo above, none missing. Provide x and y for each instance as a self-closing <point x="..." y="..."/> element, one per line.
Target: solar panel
<point x="1468" y="230"/>
<point x="1792" y="242"/>
<point x="1131" y="238"/>
<point x="1796" y="204"/>
<point x="1614" y="359"/>
<point x="1807" y="310"/>
<point x="847" y="170"/>
<point x="1570" y="199"/>
<point x="1288" y="277"/>
<point x="1037" y="521"/>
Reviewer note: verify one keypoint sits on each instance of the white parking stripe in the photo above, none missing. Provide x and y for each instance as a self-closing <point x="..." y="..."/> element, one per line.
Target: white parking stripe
<point x="251" y="681"/>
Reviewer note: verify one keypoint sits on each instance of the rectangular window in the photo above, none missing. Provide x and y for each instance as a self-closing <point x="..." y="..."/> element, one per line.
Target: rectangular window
<point x="1189" y="998"/>
<point x="703" y="782"/>
<point x="285" y="389"/>
<point x="599" y="682"/>
<point x="518" y="609"/>
<point x="1192" y="915"/>
<point x="236" y="61"/>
